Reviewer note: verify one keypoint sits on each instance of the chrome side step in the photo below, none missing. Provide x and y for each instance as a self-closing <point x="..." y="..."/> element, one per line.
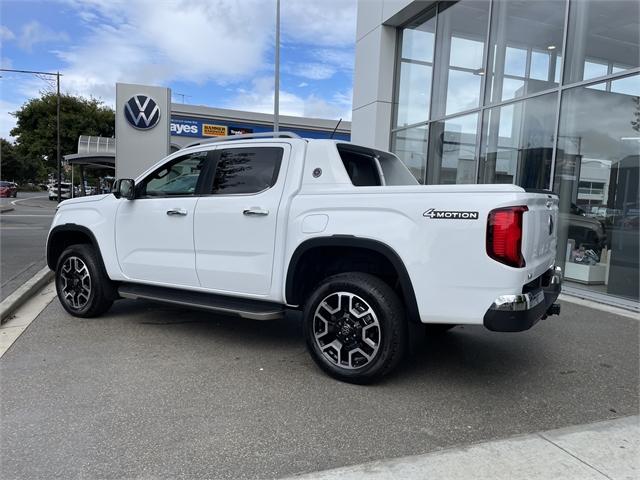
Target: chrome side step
<point x="252" y="309"/>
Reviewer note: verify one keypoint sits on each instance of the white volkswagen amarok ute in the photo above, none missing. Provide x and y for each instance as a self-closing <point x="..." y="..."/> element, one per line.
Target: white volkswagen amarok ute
<point x="255" y="225"/>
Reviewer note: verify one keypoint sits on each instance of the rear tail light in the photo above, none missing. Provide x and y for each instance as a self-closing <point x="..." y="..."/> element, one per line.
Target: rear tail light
<point x="504" y="235"/>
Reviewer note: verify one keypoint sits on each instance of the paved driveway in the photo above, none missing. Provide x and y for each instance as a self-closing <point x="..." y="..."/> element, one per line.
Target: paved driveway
<point x="159" y="392"/>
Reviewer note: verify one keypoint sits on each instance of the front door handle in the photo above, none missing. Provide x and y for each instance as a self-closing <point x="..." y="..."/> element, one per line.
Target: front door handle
<point x="177" y="211"/>
<point x="255" y="211"/>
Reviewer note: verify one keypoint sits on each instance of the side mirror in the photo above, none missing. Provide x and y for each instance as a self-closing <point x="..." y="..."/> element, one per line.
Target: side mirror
<point x="125" y="188"/>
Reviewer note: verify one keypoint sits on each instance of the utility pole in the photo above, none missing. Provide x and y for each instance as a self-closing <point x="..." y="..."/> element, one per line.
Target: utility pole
<point x="276" y="96"/>
<point x="58" y="159"/>
<point x="58" y="141"/>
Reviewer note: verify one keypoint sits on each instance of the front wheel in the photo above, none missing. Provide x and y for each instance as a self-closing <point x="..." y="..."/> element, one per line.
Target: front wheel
<point x="355" y="327"/>
<point x="83" y="288"/>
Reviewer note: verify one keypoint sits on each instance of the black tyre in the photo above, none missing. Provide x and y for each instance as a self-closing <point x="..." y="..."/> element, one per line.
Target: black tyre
<point x="84" y="290"/>
<point x="355" y="327"/>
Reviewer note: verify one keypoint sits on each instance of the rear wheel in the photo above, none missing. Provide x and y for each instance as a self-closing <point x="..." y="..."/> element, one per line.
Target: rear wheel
<point x="355" y="327"/>
<point x="82" y="284"/>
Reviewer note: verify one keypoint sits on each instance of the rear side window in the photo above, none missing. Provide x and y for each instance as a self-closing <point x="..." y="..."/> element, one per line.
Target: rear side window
<point x="246" y="170"/>
<point x="361" y="167"/>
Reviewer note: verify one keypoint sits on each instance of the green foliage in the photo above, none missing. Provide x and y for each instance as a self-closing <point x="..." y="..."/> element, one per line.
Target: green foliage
<point x="35" y="131"/>
<point x="10" y="167"/>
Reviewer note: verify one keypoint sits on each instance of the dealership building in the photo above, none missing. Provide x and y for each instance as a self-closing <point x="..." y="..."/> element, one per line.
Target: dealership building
<point x="189" y="122"/>
<point x="543" y="94"/>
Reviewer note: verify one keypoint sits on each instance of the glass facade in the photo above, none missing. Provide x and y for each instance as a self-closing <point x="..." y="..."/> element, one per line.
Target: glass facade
<point x="542" y="94"/>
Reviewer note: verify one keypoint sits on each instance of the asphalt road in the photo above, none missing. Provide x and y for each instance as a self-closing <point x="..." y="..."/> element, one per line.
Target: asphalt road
<point x="150" y="391"/>
<point x="23" y="234"/>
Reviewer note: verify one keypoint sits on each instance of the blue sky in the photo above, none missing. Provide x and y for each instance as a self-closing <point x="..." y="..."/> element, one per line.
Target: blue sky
<point x="217" y="52"/>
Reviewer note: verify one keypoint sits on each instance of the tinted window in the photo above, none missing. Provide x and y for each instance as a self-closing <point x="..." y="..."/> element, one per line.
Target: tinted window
<point x="179" y="177"/>
<point x="361" y="167"/>
<point x="246" y="170"/>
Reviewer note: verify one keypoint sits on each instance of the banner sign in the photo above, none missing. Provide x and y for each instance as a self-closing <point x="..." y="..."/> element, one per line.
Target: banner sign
<point x="206" y="128"/>
<point x="201" y="128"/>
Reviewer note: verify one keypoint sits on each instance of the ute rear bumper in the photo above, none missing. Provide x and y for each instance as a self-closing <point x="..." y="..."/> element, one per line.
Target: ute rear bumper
<point x="516" y="313"/>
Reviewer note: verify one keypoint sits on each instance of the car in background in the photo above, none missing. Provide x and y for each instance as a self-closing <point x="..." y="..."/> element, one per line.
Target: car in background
<point x="8" y="189"/>
<point x="65" y="191"/>
<point x="588" y="232"/>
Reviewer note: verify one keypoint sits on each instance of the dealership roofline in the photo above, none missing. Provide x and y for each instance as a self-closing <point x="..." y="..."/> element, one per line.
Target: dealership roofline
<point x="226" y="115"/>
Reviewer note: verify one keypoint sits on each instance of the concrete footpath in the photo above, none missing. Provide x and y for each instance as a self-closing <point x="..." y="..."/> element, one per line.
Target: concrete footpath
<point x="602" y="450"/>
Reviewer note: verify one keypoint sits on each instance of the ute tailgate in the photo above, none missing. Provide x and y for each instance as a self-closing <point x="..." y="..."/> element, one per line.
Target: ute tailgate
<point x="539" y="232"/>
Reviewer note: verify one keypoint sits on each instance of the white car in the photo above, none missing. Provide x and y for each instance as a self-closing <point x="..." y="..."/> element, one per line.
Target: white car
<point x="65" y="191"/>
<point x="254" y="226"/>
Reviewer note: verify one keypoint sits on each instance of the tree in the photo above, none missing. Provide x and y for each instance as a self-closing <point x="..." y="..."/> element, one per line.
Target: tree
<point x="35" y="130"/>
<point x="15" y="168"/>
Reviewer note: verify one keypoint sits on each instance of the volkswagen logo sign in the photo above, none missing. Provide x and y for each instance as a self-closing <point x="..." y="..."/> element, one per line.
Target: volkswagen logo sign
<point x="142" y="112"/>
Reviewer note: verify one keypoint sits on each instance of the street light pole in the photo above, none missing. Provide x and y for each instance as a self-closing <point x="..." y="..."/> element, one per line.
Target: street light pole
<point x="58" y="159"/>
<point x="276" y="96"/>
<point x="58" y="140"/>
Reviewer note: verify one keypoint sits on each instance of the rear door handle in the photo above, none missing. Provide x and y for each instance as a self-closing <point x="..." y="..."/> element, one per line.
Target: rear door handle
<point x="177" y="211"/>
<point x="255" y="211"/>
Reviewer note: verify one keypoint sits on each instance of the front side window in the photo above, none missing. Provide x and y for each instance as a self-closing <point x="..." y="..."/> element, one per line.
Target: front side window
<point x="246" y="170"/>
<point x="179" y="177"/>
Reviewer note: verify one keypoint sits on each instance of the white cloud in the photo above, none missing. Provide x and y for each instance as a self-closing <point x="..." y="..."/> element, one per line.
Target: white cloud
<point x="33" y="33"/>
<point x="6" y="34"/>
<point x="312" y="71"/>
<point x="260" y="99"/>
<point x="340" y="57"/>
<point x="327" y="22"/>
<point x="147" y="42"/>
<point x="328" y="62"/>
<point x="7" y="121"/>
<point x="223" y="42"/>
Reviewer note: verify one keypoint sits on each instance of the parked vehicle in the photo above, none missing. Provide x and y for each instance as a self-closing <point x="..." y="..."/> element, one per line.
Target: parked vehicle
<point x="255" y="226"/>
<point x="587" y="232"/>
<point x="65" y="191"/>
<point x="8" y="189"/>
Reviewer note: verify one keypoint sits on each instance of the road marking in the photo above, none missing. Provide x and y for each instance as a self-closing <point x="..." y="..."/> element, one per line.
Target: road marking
<point x="23" y="316"/>
<point x="26" y="199"/>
